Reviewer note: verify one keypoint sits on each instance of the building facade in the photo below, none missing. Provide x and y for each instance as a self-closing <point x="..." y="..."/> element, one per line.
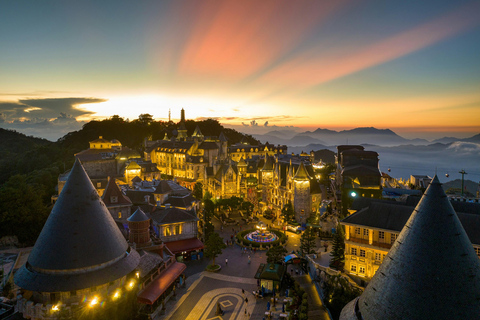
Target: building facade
<point x="372" y="230"/>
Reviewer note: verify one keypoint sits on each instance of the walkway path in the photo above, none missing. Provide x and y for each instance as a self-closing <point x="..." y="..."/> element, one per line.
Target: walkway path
<point x="316" y="310"/>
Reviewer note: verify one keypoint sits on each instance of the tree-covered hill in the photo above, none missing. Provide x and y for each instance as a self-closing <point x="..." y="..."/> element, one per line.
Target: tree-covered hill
<point x="29" y="166"/>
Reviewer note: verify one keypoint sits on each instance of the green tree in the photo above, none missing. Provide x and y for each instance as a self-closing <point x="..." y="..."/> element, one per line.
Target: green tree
<point x="209" y="208"/>
<point x="338" y="250"/>
<point x="145" y="118"/>
<point x="22" y="211"/>
<point x="307" y="242"/>
<point x="207" y="196"/>
<point x="198" y="190"/>
<point x="214" y="246"/>
<point x="276" y="254"/>
<point x="209" y="229"/>
<point x="288" y="213"/>
<point x="247" y="206"/>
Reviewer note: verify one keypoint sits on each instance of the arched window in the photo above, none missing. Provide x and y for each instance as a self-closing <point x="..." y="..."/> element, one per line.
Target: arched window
<point x="119" y="214"/>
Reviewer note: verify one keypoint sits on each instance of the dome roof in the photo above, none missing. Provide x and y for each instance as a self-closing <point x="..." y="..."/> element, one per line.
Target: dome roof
<point x="80" y="245"/>
<point x="431" y="272"/>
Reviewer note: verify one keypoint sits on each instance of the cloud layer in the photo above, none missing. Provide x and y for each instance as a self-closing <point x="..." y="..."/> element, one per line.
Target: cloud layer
<point x="48" y="118"/>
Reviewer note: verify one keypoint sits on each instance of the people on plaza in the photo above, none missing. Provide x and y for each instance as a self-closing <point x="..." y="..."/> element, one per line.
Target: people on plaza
<point x="226" y="261"/>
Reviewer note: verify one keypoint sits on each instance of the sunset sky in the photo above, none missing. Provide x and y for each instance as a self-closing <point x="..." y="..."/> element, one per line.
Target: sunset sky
<point x="411" y="66"/>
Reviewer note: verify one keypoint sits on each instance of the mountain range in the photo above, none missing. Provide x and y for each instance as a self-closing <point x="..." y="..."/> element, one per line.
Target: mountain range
<point x="365" y="135"/>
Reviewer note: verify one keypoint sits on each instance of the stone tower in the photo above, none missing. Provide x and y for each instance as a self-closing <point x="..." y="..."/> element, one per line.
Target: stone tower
<point x="182" y="130"/>
<point x="301" y="196"/>
<point x="139" y="226"/>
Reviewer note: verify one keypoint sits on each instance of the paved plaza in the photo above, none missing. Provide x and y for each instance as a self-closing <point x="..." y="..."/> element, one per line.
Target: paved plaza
<point x="198" y="300"/>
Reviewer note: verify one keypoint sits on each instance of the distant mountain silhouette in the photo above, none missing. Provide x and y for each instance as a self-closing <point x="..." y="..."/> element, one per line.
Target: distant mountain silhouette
<point x="363" y="135"/>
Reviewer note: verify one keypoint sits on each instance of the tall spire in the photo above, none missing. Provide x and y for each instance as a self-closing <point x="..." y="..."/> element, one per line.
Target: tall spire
<point x="182" y="115"/>
<point x="431" y="272"/>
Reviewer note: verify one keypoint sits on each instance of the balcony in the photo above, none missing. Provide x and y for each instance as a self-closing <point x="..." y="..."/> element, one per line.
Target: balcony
<point x="375" y="243"/>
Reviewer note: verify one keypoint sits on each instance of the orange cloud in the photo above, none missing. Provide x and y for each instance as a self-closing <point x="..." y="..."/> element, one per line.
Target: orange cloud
<point x="303" y="71"/>
<point x="235" y="39"/>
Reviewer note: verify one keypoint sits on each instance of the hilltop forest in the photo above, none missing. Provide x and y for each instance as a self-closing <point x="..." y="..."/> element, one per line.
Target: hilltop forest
<point x="29" y="166"/>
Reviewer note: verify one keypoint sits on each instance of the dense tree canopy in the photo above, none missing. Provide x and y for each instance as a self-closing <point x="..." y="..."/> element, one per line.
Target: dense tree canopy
<point x="39" y="162"/>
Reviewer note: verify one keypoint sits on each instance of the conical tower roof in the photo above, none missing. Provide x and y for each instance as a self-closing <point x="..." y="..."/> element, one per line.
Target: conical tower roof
<point x="197" y="132"/>
<point x="268" y="166"/>
<point x="301" y="173"/>
<point x="222" y="137"/>
<point x="431" y="272"/>
<point x="138" y="216"/>
<point x="80" y="245"/>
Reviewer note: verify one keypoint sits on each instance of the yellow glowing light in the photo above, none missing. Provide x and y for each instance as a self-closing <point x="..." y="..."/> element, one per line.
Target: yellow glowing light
<point x="116" y="295"/>
<point x="137" y="274"/>
<point x="131" y="284"/>
<point x="31" y="109"/>
<point x="93" y="302"/>
<point x="56" y="308"/>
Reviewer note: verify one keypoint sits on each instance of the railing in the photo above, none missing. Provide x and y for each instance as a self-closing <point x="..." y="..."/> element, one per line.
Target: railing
<point x="374" y="243"/>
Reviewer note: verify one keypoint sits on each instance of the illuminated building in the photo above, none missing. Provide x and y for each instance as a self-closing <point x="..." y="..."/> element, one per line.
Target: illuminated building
<point x="431" y="271"/>
<point x="80" y="257"/>
<point x="358" y="175"/>
<point x="290" y="178"/>
<point x="375" y="225"/>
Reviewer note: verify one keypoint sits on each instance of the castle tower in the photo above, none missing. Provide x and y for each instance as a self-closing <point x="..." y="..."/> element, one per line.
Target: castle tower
<point x="139" y="225"/>
<point x="182" y="130"/>
<point x="223" y="145"/>
<point x="301" y="190"/>
<point x="80" y="252"/>
<point x="431" y="271"/>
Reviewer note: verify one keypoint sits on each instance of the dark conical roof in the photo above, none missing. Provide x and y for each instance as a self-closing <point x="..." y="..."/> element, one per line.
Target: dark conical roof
<point x="138" y="216"/>
<point x="302" y="173"/>
<point x="80" y="245"/>
<point x="222" y="137"/>
<point x="268" y="164"/>
<point x="431" y="272"/>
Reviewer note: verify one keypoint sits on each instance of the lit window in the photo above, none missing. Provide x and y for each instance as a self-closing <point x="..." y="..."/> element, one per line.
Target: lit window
<point x="393" y="237"/>
<point x="357" y="230"/>
<point x="99" y="184"/>
<point x="167" y="231"/>
<point x="177" y="229"/>
<point x="353" y="268"/>
<point x="378" y="256"/>
<point x="477" y="251"/>
<point x="362" y="253"/>
<point x="365" y="232"/>
<point x="354" y="251"/>
<point x="119" y="215"/>
<point x="361" y="270"/>
<point x="381" y="235"/>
